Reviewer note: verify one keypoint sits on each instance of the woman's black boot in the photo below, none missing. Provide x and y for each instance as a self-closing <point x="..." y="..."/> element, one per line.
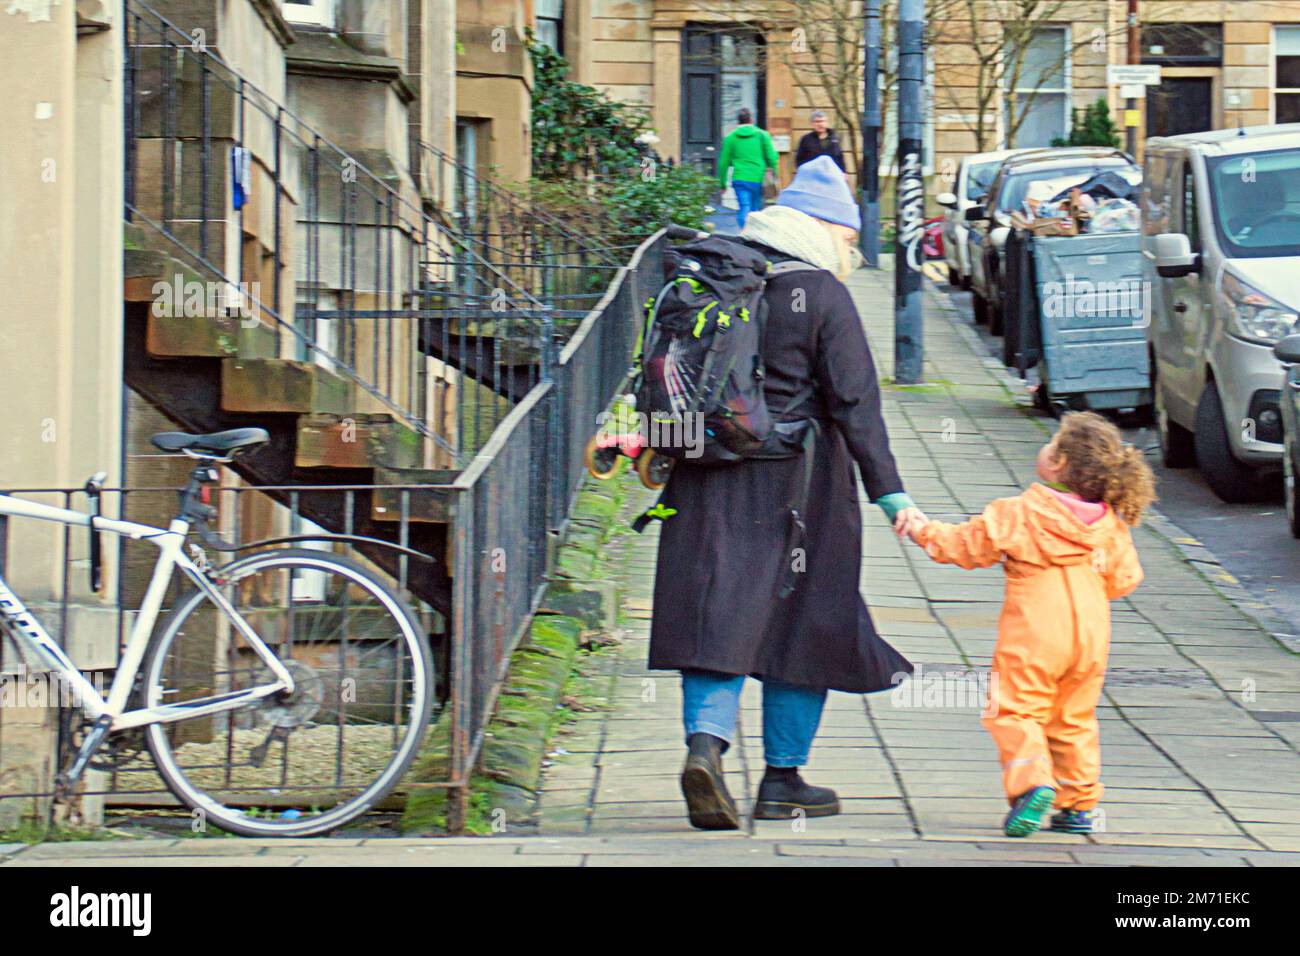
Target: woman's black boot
<point x="783" y="794"/>
<point x="707" y="801"/>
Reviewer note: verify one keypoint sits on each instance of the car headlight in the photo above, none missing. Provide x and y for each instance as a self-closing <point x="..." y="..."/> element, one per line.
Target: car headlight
<point x="1255" y="316"/>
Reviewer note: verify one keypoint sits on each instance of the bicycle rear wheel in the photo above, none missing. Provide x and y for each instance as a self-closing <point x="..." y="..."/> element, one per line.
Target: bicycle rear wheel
<point x="305" y="763"/>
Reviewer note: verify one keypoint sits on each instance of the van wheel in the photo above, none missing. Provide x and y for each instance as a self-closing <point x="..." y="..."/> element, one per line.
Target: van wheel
<point x="1228" y="478"/>
<point x="1292" y="492"/>
<point x="1177" y="447"/>
<point x="981" y="308"/>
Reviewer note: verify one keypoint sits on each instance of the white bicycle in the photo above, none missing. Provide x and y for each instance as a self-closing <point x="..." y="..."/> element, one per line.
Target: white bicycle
<point x="283" y="695"/>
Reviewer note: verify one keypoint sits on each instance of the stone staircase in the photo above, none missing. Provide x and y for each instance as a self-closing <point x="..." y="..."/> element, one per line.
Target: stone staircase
<point x="209" y="372"/>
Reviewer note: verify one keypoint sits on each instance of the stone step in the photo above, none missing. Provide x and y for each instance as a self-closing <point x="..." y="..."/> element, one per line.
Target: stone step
<point x="142" y="270"/>
<point x="357" y="441"/>
<point x="284" y="385"/>
<point x="182" y="322"/>
<point x="424" y="505"/>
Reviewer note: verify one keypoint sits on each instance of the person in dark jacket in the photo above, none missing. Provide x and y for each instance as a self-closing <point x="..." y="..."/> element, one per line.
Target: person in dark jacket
<point x="725" y="553"/>
<point x="822" y="141"/>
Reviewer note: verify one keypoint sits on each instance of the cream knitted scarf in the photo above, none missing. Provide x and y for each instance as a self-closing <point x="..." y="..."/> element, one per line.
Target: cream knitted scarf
<point x="796" y="234"/>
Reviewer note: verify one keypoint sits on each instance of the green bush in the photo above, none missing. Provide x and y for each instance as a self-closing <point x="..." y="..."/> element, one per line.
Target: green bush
<point x="1093" y="128"/>
<point x="592" y="167"/>
<point x="625" y="207"/>
<point x="645" y="201"/>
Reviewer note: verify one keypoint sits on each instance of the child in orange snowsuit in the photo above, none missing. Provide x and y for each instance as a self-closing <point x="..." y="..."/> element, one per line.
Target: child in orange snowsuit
<point x="1067" y="552"/>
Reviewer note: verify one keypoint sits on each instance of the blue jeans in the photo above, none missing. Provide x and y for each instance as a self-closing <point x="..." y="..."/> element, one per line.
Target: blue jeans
<point x="750" y="198"/>
<point x="710" y="702"/>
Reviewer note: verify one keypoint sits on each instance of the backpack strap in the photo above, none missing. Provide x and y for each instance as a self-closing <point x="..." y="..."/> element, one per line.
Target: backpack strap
<point x="798" y="398"/>
<point x="797" y="506"/>
<point x="785" y="267"/>
<point x="789" y="265"/>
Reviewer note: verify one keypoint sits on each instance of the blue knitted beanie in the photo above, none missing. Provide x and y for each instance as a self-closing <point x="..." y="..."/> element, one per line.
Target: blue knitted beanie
<point x="821" y="190"/>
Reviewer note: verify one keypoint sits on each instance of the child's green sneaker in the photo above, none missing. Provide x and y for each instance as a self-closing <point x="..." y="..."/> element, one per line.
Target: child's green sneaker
<point x="1073" y="821"/>
<point x="1027" y="811"/>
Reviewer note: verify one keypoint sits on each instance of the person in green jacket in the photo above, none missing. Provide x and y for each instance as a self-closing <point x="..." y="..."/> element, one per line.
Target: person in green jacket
<point x="747" y="153"/>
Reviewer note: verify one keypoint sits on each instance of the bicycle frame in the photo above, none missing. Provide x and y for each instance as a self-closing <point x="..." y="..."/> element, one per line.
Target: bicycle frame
<point x="32" y="636"/>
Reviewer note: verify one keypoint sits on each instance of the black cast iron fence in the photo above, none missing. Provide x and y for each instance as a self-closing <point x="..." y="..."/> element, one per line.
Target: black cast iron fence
<point x="514" y="500"/>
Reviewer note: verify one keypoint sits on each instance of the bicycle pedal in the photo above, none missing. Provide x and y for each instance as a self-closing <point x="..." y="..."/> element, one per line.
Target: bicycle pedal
<point x="94" y="739"/>
<point x="257" y="756"/>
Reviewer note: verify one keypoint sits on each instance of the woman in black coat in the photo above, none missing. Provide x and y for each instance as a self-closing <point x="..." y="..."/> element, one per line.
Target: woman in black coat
<point x="724" y="555"/>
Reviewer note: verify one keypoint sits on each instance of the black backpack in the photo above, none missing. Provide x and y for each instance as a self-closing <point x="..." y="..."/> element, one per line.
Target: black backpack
<point x="700" y="359"/>
<point x="700" y="371"/>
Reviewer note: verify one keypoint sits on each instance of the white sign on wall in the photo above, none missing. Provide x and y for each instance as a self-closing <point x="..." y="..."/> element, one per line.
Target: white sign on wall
<point x="1122" y="74"/>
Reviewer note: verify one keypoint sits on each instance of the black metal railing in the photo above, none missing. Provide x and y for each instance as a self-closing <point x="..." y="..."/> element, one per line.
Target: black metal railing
<point x="554" y="259"/>
<point x="515" y="499"/>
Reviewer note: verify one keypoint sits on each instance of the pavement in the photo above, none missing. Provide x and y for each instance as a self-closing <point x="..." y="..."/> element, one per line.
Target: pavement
<point x="1200" y="717"/>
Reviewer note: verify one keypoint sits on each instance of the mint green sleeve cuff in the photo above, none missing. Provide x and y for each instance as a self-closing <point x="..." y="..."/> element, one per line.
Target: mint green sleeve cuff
<point x="892" y="504"/>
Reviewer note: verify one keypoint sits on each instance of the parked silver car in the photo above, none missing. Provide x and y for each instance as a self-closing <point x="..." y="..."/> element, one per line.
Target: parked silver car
<point x="974" y="175"/>
<point x="1221" y="250"/>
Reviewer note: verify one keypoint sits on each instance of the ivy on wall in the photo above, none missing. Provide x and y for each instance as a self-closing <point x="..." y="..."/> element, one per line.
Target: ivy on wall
<point x="577" y="129"/>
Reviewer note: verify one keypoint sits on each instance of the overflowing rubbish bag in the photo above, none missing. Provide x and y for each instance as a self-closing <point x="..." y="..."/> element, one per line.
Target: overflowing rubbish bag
<point x="1115" y="215"/>
<point x="1107" y="184"/>
<point x="1104" y="203"/>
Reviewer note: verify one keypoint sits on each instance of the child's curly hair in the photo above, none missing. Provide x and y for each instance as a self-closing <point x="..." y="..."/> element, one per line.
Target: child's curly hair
<point x="1099" y="466"/>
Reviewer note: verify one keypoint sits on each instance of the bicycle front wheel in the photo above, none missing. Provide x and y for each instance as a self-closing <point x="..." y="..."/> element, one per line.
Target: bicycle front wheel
<point x="304" y="763"/>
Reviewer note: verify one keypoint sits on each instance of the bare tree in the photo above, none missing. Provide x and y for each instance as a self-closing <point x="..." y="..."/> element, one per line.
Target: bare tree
<point x="1000" y="35"/>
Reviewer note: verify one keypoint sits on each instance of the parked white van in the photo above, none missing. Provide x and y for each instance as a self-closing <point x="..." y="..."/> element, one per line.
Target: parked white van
<point x="1221" y="251"/>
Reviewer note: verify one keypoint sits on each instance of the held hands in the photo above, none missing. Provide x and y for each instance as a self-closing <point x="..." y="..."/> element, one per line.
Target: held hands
<point x="908" y="522"/>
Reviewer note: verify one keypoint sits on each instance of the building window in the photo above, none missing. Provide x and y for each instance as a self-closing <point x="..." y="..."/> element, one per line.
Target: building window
<point x="1038" y="77"/>
<point x="550" y="24"/>
<point x="1183" y="44"/>
<point x="314" y="12"/>
<point x="320" y="330"/>
<point x="469" y="162"/>
<point x="1286" y="75"/>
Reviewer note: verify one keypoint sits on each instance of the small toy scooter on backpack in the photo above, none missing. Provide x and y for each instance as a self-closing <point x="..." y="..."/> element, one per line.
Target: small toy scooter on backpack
<point x="621" y="436"/>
